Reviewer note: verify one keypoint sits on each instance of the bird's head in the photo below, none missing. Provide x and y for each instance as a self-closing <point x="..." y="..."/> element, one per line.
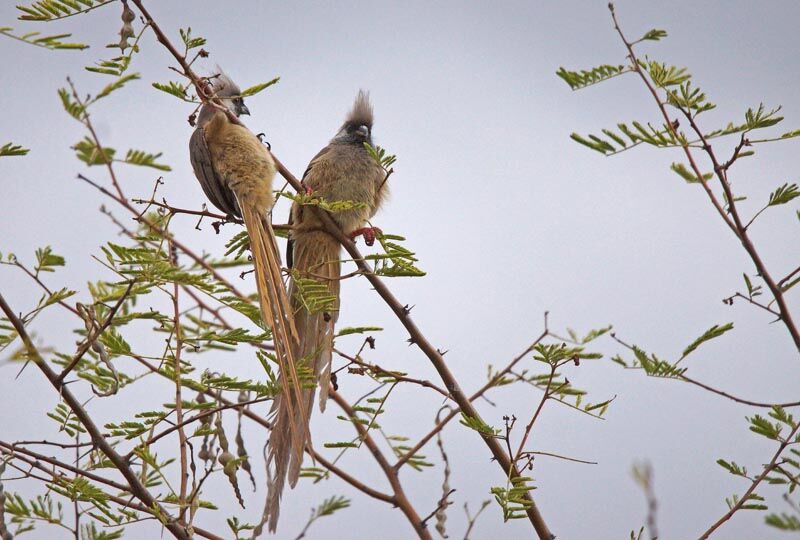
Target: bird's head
<point x="228" y="92"/>
<point x="357" y="127"/>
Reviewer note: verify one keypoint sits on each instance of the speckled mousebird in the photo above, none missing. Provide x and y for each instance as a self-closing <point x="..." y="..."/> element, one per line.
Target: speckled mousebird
<point x="342" y="171"/>
<point x="235" y="171"/>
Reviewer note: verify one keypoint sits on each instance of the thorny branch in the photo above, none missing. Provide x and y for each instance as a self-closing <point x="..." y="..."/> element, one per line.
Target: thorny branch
<point x="731" y="217"/>
<point x="36" y="460"/>
<point x="685" y="378"/>
<point x="768" y="468"/>
<point x="136" y="486"/>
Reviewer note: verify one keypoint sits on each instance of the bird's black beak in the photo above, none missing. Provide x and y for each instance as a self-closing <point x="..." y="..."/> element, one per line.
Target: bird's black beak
<point x="242" y="109"/>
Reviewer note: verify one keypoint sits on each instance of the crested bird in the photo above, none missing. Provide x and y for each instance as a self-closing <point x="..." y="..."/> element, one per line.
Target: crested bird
<point x="342" y="171"/>
<point x="235" y="171"/>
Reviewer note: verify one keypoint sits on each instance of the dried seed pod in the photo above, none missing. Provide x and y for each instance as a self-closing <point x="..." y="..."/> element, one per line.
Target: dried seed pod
<point x="127" y="31"/>
<point x="127" y="13"/>
<point x="225" y="458"/>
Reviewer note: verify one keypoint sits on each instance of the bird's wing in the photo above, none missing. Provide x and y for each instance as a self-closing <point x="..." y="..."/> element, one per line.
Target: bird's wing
<point x="290" y="241"/>
<point x="315" y="159"/>
<point x="216" y="191"/>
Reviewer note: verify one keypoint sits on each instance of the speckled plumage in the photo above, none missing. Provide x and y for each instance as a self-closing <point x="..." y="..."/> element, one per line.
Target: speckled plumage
<point x="342" y="171"/>
<point x="236" y="170"/>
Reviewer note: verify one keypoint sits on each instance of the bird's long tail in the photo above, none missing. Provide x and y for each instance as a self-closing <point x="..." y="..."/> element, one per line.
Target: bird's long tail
<point x="314" y="296"/>
<point x="276" y="311"/>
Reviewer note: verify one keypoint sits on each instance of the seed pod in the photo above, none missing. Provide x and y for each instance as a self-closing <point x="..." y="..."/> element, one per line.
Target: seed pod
<point x="127" y="13"/>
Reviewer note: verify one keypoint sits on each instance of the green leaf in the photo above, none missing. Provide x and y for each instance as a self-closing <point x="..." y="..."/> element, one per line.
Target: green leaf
<point x="315" y="296"/>
<point x="116" y="85"/>
<point x="689" y="99"/>
<point x="175" y="89"/>
<point x="358" y="330"/>
<point x="653" y="35"/>
<point x="581" y="79"/>
<point x="732" y="468"/>
<point x="189" y="41"/>
<point x="380" y="156"/>
<point x="664" y="75"/>
<point x="88" y="152"/>
<point x="46" y="260"/>
<point x="49" y="10"/>
<point x="314" y="199"/>
<point x="761" y="118"/>
<point x="783" y="194"/>
<point x="341" y="445"/>
<point x="396" y="260"/>
<point x="143" y="159"/>
<point x="255" y="89"/>
<point x="331" y="505"/>
<point x="479" y="425"/>
<point x="762" y="426"/>
<point x="52" y="42"/>
<point x="11" y="149"/>
<point x="783" y="521"/>
<point x="595" y="144"/>
<point x="681" y="170"/>
<point x="116" y="66"/>
<point x="73" y="108"/>
<point x="512" y="498"/>
<point x="114" y="342"/>
<point x="712" y="333"/>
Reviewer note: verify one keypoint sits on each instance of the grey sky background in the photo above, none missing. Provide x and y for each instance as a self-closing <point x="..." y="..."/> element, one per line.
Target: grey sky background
<point x="507" y="215"/>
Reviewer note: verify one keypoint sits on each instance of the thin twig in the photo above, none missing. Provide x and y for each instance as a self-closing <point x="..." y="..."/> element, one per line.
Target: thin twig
<point x="93" y="336"/>
<point x="391" y="474"/>
<point x="734" y="222"/>
<point x="136" y="486"/>
<point x="745" y="498"/>
<point x="685" y="378"/>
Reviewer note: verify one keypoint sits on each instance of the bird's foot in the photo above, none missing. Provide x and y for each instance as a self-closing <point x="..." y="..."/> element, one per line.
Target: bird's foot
<point x="309" y="190"/>
<point x="368" y="233"/>
<point x="261" y="139"/>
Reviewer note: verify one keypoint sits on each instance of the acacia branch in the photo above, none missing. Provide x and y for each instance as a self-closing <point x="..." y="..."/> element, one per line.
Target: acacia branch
<point x="36" y="460"/>
<point x="456" y="410"/>
<point x="93" y="335"/>
<point x="176" y="367"/>
<point x="391" y="474"/>
<point x="136" y="487"/>
<point x="734" y="222"/>
<point x="687" y="379"/>
<point x="745" y="498"/>
<point x="263" y="422"/>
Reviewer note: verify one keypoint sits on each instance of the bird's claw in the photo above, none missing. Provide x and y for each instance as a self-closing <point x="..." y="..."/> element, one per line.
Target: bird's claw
<point x="260" y="137"/>
<point x="368" y="233"/>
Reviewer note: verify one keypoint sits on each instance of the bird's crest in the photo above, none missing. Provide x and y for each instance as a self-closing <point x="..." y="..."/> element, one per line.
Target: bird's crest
<point x="361" y="113"/>
<point x="223" y="85"/>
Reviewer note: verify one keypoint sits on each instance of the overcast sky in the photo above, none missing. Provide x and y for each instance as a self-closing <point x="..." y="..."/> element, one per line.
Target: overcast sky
<point x="508" y="216"/>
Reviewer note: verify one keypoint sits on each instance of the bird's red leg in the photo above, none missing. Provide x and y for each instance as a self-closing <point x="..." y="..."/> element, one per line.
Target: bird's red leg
<point x="367" y="232"/>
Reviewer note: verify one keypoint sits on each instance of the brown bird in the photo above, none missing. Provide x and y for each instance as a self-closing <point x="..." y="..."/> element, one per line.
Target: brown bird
<point x="236" y="170"/>
<point x="342" y="171"/>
